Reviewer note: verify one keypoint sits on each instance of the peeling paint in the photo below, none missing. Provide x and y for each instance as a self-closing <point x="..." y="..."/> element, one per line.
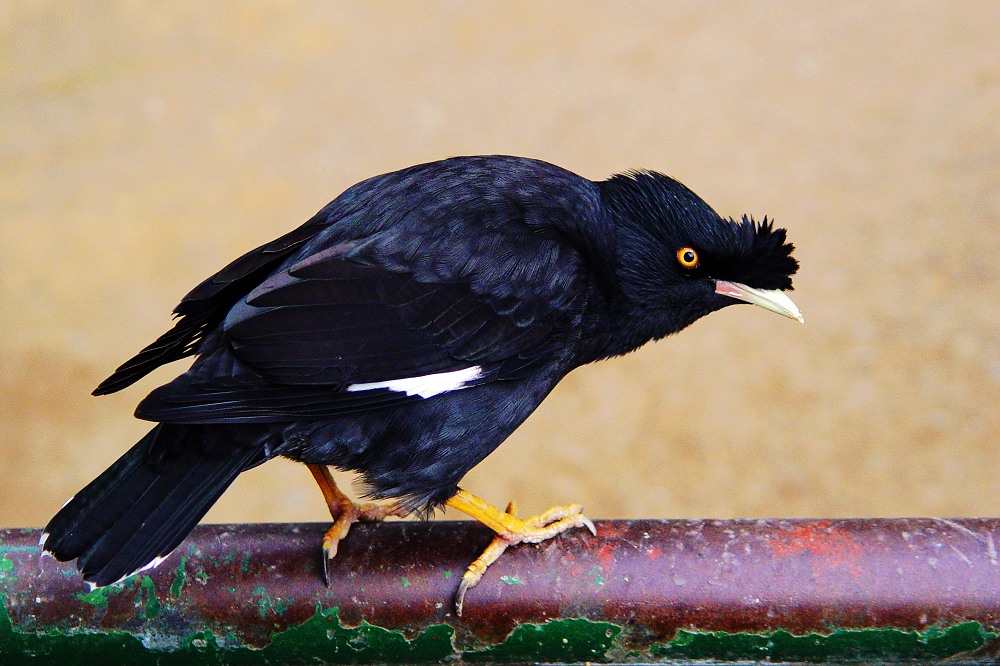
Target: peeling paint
<point x="6" y="567"/>
<point x="150" y="604"/>
<point x="832" y="547"/>
<point x="321" y="639"/>
<point x="178" y="584"/>
<point x="842" y="645"/>
<point x="571" y="640"/>
<point x="98" y="597"/>
<point x="266" y="604"/>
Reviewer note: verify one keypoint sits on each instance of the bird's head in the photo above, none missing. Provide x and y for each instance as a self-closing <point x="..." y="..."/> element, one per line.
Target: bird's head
<point x="678" y="260"/>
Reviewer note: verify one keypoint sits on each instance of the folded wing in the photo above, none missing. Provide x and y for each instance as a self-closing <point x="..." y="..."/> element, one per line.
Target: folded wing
<point x="353" y="327"/>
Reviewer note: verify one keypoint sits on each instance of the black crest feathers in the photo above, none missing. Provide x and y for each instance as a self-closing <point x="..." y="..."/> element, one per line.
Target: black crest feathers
<point x="760" y="256"/>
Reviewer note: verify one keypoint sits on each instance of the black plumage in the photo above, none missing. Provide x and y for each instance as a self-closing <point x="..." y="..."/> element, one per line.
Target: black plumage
<point x="488" y="277"/>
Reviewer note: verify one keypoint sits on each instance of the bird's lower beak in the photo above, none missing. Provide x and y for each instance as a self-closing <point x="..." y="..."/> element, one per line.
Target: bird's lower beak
<point x="769" y="299"/>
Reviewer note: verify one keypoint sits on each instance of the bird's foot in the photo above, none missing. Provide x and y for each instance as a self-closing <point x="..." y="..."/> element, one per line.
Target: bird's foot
<point x="511" y="530"/>
<point x="345" y="513"/>
<point x="348" y="514"/>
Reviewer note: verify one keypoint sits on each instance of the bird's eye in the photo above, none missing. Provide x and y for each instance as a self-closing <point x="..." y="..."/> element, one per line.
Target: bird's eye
<point x="687" y="257"/>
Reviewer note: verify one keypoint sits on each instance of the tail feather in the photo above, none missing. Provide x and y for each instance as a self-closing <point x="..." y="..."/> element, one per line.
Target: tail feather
<point x="70" y="531"/>
<point x="143" y="506"/>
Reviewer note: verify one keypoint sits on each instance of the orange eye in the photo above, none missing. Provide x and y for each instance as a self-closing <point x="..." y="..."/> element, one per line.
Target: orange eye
<point x="687" y="257"/>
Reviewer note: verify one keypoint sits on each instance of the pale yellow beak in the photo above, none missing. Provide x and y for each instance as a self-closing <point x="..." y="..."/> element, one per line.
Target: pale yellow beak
<point x="769" y="299"/>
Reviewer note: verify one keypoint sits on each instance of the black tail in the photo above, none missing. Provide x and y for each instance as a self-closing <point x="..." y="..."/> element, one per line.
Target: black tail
<point x="144" y="505"/>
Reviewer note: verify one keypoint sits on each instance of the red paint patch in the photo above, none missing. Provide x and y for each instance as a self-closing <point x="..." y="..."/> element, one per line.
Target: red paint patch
<point x="606" y="553"/>
<point x="830" y="547"/>
<point x="610" y="530"/>
<point x="654" y="554"/>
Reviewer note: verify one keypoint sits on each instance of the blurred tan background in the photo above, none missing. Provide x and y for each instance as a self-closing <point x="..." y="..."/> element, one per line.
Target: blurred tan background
<point x="145" y="145"/>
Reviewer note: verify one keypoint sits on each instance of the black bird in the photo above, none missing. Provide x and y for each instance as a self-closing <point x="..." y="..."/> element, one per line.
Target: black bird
<point x="403" y="333"/>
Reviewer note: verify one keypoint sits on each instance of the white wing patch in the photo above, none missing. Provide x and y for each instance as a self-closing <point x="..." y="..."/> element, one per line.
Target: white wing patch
<point x="428" y="385"/>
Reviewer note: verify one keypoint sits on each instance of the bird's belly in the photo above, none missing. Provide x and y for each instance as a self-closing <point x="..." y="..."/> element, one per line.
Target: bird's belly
<point x="418" y="451"/>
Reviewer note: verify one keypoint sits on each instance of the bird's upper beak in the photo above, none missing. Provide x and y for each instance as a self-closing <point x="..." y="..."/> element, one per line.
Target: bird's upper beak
<point x="769" y="299"/>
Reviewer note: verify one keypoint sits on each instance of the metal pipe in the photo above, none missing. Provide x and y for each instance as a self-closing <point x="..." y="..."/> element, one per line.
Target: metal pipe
<point x="644" y="590"/>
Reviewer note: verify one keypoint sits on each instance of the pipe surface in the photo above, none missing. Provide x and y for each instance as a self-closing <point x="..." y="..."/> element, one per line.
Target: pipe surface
<point x="642" y="590"/>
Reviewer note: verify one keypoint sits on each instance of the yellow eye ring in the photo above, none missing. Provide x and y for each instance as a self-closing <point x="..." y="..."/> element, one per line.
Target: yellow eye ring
<point x="687" y="257"/>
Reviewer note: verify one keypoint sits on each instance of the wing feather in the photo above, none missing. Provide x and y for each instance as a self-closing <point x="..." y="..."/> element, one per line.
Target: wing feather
<point x="436" y="269"/>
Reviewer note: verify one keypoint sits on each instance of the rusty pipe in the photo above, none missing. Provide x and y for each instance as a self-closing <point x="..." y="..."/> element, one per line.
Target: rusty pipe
<point x="792" y="590"/>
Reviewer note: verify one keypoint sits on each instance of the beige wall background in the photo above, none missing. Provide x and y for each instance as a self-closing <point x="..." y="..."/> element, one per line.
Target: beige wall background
<point x="145" y="145"/>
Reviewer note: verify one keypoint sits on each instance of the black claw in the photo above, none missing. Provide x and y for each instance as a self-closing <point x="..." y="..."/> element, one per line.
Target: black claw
<point x="326" y="567"/>
<point x="460" y="596"/>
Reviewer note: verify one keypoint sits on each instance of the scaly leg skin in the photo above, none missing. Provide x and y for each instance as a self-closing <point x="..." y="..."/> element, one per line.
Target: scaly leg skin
<point x="511" y="530"/>
<point x="345" y="513"/>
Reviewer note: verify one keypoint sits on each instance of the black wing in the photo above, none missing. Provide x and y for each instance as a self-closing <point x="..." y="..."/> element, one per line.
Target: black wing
<point x="479" y="262"/>
<point x="205" y="307"/>
<point x="305" y="342"/>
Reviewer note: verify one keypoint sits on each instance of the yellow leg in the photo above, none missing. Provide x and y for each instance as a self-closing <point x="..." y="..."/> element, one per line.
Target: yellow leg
<point x="345" y="513"/>
<point x="511" y="530"/>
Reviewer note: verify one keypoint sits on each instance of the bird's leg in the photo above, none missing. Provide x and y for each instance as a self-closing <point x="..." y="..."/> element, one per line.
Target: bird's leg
<point x="510" y="530"/>
<point x="345" y="513"/>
